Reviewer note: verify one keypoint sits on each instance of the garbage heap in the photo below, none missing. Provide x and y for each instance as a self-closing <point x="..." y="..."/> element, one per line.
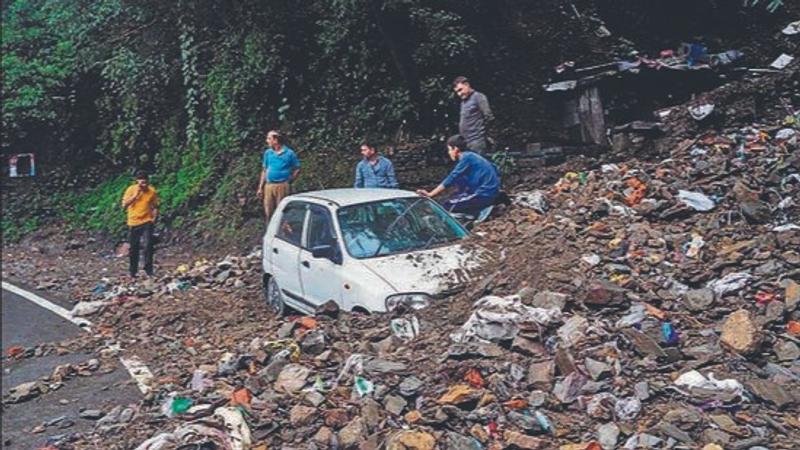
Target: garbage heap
<point x="644" y="304"/>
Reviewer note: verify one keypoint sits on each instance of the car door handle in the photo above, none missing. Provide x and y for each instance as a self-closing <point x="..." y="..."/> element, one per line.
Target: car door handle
<point x="274" y="250"/>
<point x="306" y="264"/>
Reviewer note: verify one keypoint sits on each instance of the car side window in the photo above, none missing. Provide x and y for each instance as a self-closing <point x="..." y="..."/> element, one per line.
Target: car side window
<point x="320" y="228"/>
<point x="291" y="226"/>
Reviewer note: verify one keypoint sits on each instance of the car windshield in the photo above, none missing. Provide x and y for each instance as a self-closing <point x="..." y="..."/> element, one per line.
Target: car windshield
<point x="394" y="226"/>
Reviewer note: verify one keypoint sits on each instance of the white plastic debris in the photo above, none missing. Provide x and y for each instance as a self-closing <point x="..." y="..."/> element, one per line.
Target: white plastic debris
<point x="161" y="441"/>
<point x="636" y="315"/>
<point x="792" y="29"/>
<point x="534" y="200"/>
<point x="696" y="200"/>
<point x="609" y="168"/>
<point x="405" y="329"/>
<point x="786" y="134"/>
<point x="729" y="283"/>
<point x="591" y="259"/>
<point x="238" y="431"/>
<point x="700" y="112"/>
<point x="786" y="227"/>
<point x="498" y="318"/>
<point x="782" y="61"/>
<point x="88" y="308"/>
<point x="694" y="379"/>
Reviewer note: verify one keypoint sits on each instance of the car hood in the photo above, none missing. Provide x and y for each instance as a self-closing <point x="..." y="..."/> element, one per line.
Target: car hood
<point x="434" y="271"/>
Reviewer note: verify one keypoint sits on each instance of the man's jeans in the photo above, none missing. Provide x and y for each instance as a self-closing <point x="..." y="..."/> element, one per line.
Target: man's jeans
<point x="136" y="234"/>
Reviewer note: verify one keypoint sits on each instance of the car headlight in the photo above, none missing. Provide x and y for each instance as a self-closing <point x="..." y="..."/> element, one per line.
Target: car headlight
<point x="412" y="300"/>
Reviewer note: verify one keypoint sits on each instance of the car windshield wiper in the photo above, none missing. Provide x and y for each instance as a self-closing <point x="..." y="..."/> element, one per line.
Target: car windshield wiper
<point x="394" y="222"/>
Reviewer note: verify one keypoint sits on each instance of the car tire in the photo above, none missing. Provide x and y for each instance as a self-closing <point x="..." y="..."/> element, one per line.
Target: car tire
<point x="273" y="296"/>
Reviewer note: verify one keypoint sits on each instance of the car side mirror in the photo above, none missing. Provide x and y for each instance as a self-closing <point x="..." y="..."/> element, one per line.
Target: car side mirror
<point x="326" y="251"/>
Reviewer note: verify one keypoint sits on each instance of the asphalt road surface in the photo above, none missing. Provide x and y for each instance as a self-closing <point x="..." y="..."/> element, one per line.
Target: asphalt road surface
<point x="27" y="324"/>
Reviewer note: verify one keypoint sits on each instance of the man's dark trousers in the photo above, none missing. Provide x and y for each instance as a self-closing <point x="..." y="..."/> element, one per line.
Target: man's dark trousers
<point x="137" y="234"/>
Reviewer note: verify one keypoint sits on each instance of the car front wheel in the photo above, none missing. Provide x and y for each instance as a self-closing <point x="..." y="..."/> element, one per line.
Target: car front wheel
<point x="273" y="296"/>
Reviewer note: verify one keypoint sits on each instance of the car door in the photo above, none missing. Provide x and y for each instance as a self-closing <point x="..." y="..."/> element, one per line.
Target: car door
<point x="285" y="252"/>
<point x="320" y="277"/>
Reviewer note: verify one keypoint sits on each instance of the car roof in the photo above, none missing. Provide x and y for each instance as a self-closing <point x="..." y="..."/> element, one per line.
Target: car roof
<point x="352" y="196"/>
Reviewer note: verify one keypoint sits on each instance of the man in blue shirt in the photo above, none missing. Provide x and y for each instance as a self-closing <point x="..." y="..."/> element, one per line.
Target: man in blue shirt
<point x="280" y="167"/>
<point x="477" y="180"/>
<point x="374" y="171"/>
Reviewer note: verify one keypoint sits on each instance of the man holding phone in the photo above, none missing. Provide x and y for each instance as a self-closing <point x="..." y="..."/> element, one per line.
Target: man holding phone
<point x="141" y="203"/>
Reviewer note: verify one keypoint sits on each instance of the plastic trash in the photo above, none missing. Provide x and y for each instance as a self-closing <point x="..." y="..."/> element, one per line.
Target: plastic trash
<point x="729" y="283"/>
<point x="782" y="61"/>
<point x="161" y="441"/>
<point x="694" y="379"/>
<point x="700" y="112"/>
<point x="668" y="334"/>
<point x="238" y="431"/>
<point x="636" y="315"/>
<point x="405" y="329"/>
<point x="696" y="200"/>
<point x="498" y="318"/>
<point x="363" y="386"/>
<point x="535" y="200"/>
<point x="591" y="259"/>
<point x="693" y="247"/>
<point x="82" y="309"/>
<point x="199" y="381"/>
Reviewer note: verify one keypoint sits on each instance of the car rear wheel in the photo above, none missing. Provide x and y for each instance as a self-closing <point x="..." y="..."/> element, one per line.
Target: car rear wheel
<point x="273" y="296"/>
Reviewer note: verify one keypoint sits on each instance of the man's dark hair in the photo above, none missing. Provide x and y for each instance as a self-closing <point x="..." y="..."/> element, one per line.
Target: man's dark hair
<point x="368" y="143"/>
<point x="141" y="175"/>
<point x="457" y="141"/>
<point x="278" y="136"/>
<point x="460" y="79"/>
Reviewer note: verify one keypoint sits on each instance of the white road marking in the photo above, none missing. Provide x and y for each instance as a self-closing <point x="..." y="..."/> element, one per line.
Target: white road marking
<point x="52" y="307"/>
<point x="136" y="368"/>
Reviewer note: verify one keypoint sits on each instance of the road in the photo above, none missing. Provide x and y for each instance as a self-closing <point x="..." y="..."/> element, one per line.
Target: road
<point x="28" y="324"/>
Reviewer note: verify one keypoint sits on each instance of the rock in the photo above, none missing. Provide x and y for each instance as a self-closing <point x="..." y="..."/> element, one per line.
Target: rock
<point x="786" y="351"/>
<point x="607" y="435"/>
<point x="460" y="394"/>
<point x="313" y="342"/>
<point x="756" y="211"/>
<point x="573" y="331"/>
<point x="540" y="375"/>
<point x="23" y="392"/>
<point x="565" y="362"/>
<point x="329" y="309"/>
<point x="411" y="440"/>
<point x="91" y="414"/>
<point x="641" y="390"/>
<point x="222" y="276"/>
<point x="644" y="344"/>
<point x="712" y="447"/>
<point x="314" y="398"/>
<point x="395" y="404"/>
<point x="378" y="366"/>
<point x="740" y="333"/>
<point x="605" y="293"/>
<point x="549" y="300"/>
<point x="670" y="430"/>
<point x="568" y="388"/>
<point x="699" y="300"/>
<point x="523" y="441"/>
<point x="456" y="441"/>
<point x="292" y="378"/>
<point x="596" y="369"/>
<point x="300" y="416"/>
<point x="771" y="392"/>
<point x="410" y="386"/>
<point x="352" y="434"/>
<point x="126" y="415"/>
<point x="323" y="436"/>
<point x="336" y="418"/>
<point x="791" y="294"/>
<point x="371" y="413"/>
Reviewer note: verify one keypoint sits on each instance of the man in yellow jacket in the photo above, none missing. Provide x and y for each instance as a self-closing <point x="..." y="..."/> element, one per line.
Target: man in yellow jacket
<point x="141" y="203"/>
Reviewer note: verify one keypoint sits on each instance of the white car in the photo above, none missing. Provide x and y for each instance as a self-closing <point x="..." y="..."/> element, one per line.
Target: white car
<point x="366" y="249"/>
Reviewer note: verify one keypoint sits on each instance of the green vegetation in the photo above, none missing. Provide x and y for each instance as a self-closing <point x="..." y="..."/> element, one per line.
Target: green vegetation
<point x="188" y="88"/>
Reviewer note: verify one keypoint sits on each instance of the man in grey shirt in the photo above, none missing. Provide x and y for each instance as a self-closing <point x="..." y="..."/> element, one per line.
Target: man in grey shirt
<point x="475" y="115"/>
